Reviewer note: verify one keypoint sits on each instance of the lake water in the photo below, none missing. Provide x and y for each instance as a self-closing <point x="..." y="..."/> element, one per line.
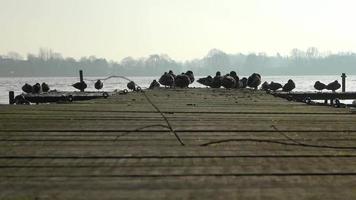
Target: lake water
<point x="303" y="83"/>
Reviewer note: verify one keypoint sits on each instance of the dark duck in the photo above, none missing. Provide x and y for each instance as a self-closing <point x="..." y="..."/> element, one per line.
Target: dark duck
<point x="190" y="75"/>
<point x="237" y="80"/>
<point x="99" y="85"/>
<point x="45" y="87"/>
<point x="254" y="81"/>
<point x="166" y="80"/>
<point x="265" y="86"/>
<point x="243" y="82"/>
<point x="182" y="81"/>
<point x="289" y="86"/>
<point x="333" y="86"/>
<point x="131" y="85"/>
<point x="216" y="80"/>
<point x="319" y="85"/>
<point x="80" y="85"/>
<point x="27" y="88"/>
<point x="275" y="86"/>
<point x="228" y="81"/>
<point x="36" y="88"/>
<point x="154" y="84"/>
<point x="206" y="81"/>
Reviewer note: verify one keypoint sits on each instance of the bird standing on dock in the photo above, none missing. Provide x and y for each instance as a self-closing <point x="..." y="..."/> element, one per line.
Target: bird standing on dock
<point x="27" y="88"/>
<point x="45" y="87"/>
<point x="265" y="86"/>
<point x="182" y="81"/>
<point x="207" y="81"/>
<point x="190" y="75"/>
<point x="80" y="85"/>
<point x="228" y="81"/>
<point x="237" y="80"/>
<point x="243" y="82"/>
<point x="216" y="80"/>
<point x="289" y="86"/>
<point x="319" y="85"/>
<point x="36" y="88"/>
<point x="167" y="80"/>
<point x="333" y="86"/>
<point x="275" y="86"/>
<point x="99" y="84"/>
<point x="154" y="84"/>
<point x="131" y="85"/>
<point x="254" y="81"/>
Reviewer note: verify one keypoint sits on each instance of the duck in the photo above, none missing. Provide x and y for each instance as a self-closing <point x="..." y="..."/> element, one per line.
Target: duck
<point x="167" y="80"/>
<point x="182" y="81"/>
<point x="319" y="86"/>
<point x="45" y="87"/>
<point x="27" y="88"/>
<point x="131" y="85"/>
<point x="243" y="82"/>
<point x="333" y="86"/>
<point x="80" y="85"/>
<point x="289" y="86"/>
<point x="172" y="74"/>
<point x="98" y="84"/>
<point x="216" y="80"/>
<point x="207" y="81"/>
<point x="275" y="86"/>
<point x="190" y="74"/>
<point x="154" y="84"/>
<point x="36" y="88"/>
<point x="228" y="81"/>
<point x="254" y="80"/>
<point x="237" y="80"/>
<point x="265" y="86"/>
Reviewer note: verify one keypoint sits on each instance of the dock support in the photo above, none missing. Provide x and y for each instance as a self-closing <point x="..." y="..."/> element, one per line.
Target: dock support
<point x="11" y="97"/>
<point x="81" y="78"/>
<point x="343" y="76"/>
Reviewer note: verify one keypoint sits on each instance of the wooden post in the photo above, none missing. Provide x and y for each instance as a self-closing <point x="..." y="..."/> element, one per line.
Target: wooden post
<point x="11" y="97"/>
<point x="81" y="78"/>
<point x="343" y="76"/>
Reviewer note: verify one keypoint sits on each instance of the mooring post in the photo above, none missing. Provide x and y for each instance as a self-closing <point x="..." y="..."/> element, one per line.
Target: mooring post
<point x="343" y="76"/>
<point x="11" y="97"/>
<point x="81" y="78"/>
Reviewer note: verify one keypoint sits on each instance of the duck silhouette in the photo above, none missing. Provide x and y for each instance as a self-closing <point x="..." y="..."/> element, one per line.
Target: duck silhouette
<point x="167" y="80"/>
<point x="237" y="80"/>
<point x="289" y="86"/>
<point x="216" y="80"/>
<point x="154" y="84"/>
<point x="206" y="81"/>
<point x="333" y="86"/>
<point x="80" y="85"/>
<point x="45" y="87"/>
<point x="319" y="85"/>
<point x="275" y="86"/>
<point x="265" y="86"/>
<point x="27" y="88"/>
<point x="36" y="88"/>
<point x="190" y="75"/>
<point x="254" y="80"/>
<point x="228" y="81"/>
<point x="182" y="81"/>
<point x="98" y="84"/>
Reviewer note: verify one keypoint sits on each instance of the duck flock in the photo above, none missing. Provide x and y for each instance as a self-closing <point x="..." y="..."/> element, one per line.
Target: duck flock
<point x="232" y="80"/>
<point x="183" y="80"/>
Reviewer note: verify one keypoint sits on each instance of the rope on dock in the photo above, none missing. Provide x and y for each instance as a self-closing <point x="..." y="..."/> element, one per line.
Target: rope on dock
<point x="292" y="143"/>
<point x="169" y="126"/>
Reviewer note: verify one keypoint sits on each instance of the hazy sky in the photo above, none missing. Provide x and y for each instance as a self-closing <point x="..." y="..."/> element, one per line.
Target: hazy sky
<point x="183" y="29"/>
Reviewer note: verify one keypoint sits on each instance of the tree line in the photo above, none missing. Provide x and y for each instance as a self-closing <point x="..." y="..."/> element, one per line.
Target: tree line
<point x="299" y="62"/>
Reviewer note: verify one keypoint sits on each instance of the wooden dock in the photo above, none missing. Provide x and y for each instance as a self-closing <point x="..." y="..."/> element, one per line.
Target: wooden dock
<point x="238" y="144"/>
